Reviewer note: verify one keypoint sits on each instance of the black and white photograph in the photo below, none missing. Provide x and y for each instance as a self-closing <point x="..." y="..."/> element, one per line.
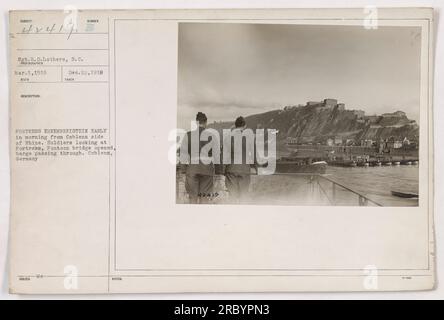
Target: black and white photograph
<point x="224" y="152"/>
<point x="286" y="114"/>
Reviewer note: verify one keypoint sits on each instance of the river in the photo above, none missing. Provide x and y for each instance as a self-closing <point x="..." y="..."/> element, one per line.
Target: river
<point x="377" y="183"/>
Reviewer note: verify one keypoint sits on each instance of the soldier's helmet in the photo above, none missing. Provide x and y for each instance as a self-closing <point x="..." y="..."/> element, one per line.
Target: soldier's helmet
<point x="201" y="118"/>
<point x="240" y="122"/>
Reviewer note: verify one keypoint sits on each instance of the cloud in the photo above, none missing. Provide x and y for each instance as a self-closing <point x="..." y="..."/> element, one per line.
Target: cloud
<point x="230" y="69"/>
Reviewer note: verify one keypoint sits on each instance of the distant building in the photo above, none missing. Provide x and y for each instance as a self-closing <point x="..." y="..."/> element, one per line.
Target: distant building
<point x="334" y="141"/>
<point x="397" y="144"/>
<point x="371" y="119"/>
<point x="338" y="141"/>
<point x="330" y="102"/>
<point x="325" y="103"/>
<point x="406" y="142"/>
<point x="381" y="145"/>
<point x="413" y="144"/>
<point x="367" y="143"/>
<point x="392" y="143"/>
<point x="397" y="114"/>
<point x="359" y="113"/>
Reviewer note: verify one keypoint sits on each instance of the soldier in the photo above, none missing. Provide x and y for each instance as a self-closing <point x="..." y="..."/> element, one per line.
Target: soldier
<point x="237" y="175"/>
<point x="199" y="176"/>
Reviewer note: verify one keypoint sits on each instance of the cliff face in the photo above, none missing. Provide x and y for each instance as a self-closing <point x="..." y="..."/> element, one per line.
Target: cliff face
<point x="319" y="121"/>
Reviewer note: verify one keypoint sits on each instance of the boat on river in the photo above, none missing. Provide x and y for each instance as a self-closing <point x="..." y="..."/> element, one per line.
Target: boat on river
<point x="342" y="163"/>
<point x="402" y="194"/>
<point x="363" y="164"/>
<point x="300" y="165"/>
<point x="375" y="163"/>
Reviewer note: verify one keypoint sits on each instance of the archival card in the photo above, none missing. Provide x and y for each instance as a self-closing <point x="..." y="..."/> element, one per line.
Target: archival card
<point x="221" y="150"/>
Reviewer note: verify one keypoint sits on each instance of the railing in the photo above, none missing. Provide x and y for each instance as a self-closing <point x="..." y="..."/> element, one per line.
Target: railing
<point x="292" y="189"/>
<point x="362" y="199"/>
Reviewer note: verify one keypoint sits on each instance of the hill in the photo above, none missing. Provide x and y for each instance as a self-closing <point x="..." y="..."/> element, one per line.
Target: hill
<point x="317" y="121"/>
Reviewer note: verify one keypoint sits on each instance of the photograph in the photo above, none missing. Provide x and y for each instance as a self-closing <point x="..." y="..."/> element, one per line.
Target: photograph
<point x="237" y="152"/>
<point x="294" y="114"/>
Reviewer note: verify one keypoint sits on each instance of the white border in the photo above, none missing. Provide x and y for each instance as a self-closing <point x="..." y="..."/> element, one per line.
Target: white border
<point x="114" y="4"/>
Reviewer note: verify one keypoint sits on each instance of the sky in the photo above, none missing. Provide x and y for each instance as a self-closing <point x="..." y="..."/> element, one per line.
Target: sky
<point x="232" y="69"/>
